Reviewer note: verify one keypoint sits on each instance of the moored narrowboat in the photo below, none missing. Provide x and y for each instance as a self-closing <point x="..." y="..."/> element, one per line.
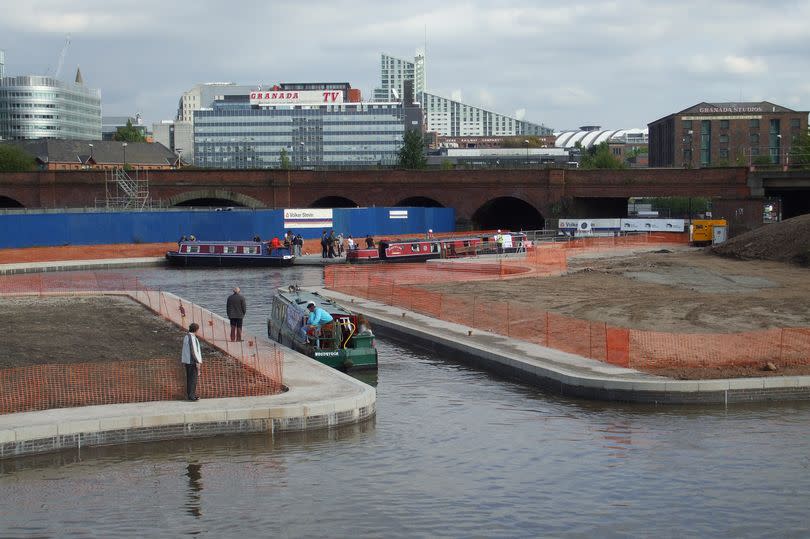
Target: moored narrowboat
<point x="229" y="254"/>
<point x="419" y="250"/>
<point x="346" y="343"/>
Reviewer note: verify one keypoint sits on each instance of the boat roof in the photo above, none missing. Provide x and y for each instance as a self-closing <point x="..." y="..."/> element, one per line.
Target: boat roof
<point x="223" y="242"/>
<point x="300" y="298"/>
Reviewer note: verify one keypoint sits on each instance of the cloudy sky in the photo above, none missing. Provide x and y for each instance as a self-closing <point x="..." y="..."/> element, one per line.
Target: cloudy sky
<point x="616" y="64"/>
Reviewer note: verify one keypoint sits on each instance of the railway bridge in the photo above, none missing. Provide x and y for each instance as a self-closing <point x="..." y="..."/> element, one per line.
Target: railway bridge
<point x="491" y="198"/>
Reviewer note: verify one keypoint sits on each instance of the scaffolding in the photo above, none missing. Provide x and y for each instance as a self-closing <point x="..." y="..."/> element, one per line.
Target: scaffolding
<point x="123" y="191"/>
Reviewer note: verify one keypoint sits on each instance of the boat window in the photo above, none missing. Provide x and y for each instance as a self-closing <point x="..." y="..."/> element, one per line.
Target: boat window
<point x="435" y="248"/>
<point x="193" y="248"/>
<point x="250" y="250"/>
<point x="229" y="249"/>
<point x="415" y="247"/>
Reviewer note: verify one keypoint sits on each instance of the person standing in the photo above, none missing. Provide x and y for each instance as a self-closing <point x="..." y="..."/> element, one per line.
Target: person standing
<point x="350" y="243"/>
<point x="324" y="244"/>
<point x="191" y="357"/>
<point x="369" y="242"/>
<point x="298" y="241"/>
<point x="340" y="244"/>
<point x="499" y="242"/>
<point x="331" y="244"/>
<point x="236" y="307"/>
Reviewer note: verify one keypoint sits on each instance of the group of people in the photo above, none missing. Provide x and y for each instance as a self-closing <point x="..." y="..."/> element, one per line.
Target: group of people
<point x="334" y="246"/>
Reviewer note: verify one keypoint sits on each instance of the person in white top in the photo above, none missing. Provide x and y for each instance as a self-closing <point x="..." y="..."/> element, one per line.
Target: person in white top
<point x="191" y="357"/>
<point x="350" y="242"/>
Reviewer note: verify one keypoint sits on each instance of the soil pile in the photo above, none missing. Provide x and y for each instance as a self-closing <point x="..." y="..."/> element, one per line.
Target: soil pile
<point x="787" y="241"/>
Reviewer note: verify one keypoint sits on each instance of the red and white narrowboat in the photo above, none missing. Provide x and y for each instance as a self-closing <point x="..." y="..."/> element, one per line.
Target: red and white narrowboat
<point x="229" y="254"/>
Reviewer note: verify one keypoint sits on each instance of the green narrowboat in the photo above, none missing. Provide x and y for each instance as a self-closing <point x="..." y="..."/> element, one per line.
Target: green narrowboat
<point x="347" y="343"/>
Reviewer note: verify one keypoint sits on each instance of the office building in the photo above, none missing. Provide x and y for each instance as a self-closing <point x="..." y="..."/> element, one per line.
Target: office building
<point x="725" y="134"/>
<point x="446" y="117"/>
<point x="201" y="96"/>
<point x="35" y="107"/>
<point x="2" y="63"/>
<point x="314" y="129"/>
<point x="176" y="135"/>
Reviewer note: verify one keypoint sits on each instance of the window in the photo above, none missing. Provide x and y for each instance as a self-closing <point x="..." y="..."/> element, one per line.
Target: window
<point x="723" y="153"/>
<point x="229" y="249"/>
<point x="754" y="138"/>
<point x="723" y="124"/>
<point x="795" y="122"/>
<point x="687" y="124"/>
<point x="753" y="124"/>
<point x="724" y="139"/>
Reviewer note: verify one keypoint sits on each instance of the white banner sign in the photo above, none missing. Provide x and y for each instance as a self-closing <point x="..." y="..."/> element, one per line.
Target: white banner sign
<point x="653" y="225"/>
<point x="308" y="218"/>
<point x="397" y="214"/>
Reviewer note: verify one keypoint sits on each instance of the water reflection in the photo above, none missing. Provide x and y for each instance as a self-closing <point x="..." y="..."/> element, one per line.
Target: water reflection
<point x="194" y="474"/>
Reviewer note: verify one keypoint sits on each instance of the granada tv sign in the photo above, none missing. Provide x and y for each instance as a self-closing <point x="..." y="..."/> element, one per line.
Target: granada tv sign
<point x="281" y="97"/>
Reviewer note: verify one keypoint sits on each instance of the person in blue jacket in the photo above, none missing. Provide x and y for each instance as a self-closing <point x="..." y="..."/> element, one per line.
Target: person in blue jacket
<point x="316" y="319"/>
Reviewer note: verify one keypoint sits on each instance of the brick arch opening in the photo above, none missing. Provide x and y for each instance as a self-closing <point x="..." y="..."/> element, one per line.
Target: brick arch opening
<point x="7" y="202"/>
<point x="214" y="198"/>
<point x="334" y="202"/>
<point x="509" y="213"/>
<point x="420" y="202"/>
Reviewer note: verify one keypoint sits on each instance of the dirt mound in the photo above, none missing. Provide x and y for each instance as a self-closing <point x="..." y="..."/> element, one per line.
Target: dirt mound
<point x="787" y="241"/>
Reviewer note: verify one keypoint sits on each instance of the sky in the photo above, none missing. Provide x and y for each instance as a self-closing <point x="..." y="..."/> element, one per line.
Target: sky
<point x="619" y="64"/>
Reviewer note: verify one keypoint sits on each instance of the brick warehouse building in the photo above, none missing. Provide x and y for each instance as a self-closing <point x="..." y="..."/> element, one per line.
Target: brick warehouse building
<point x="725" y="134"/>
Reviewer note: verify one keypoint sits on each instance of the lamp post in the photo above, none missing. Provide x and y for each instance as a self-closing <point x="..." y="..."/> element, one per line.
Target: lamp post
<point x="91" y="154"/>
<point x="526" y="142"/>
<point x="124" y="147"/>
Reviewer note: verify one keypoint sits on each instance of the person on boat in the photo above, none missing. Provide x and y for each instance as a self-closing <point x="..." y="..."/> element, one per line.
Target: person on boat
<point x="191" y="357"/>
<point x="429" y="235"/>
<point x="181" y="240"/>
<point x="275" y="243"/>
<point x="315" y="321"/>
<point x="236" y="308"/>
<point x="369" y="242"/>
<point x="339" y="243"/>
<point x="257" y="238"/>
<point x="499" y="242"/>
<point x="350" y="243"/>
<point x="192" y="237"/>
<point x="363" y="327"/>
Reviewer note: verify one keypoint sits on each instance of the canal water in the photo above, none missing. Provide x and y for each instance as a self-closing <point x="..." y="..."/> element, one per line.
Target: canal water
<point x="452" y="452"/>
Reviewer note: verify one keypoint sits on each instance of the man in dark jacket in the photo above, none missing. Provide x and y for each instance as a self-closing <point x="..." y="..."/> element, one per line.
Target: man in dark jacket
<point x="236" y="308"/>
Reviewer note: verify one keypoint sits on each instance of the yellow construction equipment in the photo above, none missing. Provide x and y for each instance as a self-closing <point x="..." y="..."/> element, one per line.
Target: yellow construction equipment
<point x="701" y="231"/>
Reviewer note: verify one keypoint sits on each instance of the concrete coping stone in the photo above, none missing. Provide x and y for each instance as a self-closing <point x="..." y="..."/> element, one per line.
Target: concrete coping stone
<point x="572" y="374"/>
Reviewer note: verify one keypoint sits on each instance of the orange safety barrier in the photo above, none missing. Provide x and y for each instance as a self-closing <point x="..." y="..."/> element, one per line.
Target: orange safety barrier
<point x="403" y="285"/>
<point x="247" y="368"/>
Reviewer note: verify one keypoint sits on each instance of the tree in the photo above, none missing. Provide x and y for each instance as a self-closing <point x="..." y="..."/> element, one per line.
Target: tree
<point x="284" y="160"/>
<point x="447" y="165"/>
<point x="800" y="151"/>
<point x="412" y="153"/>
<point x="599" y="156"/>
<point x="128" y="134"/>
<point x="14" y="159"/>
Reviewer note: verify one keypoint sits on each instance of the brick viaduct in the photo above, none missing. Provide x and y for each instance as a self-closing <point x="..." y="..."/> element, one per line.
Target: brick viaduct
<point x="478" y="196"/>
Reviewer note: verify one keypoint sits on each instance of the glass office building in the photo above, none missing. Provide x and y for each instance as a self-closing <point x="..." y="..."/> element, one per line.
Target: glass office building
<point x="236" y="133"/>
<point x="34" y="107"/>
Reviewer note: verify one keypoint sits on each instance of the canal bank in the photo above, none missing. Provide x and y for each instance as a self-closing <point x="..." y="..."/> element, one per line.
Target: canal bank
<point x="563" y="373"/>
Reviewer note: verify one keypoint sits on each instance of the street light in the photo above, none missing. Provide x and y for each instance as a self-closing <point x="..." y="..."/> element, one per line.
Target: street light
<point x="526" y="142"/>
<point x="124" y="146"/>
<point x="91" y="153"/>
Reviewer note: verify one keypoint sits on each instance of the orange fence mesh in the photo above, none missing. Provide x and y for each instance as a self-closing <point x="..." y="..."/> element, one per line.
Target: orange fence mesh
<point x="398" y="285"/>
<point x="247" y="368"/>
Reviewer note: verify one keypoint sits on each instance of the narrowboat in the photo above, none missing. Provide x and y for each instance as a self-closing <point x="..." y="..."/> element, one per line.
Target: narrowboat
<point x="419" y="250"/>
<point x="416" y="250"/>
<point x="229" y="254"/>
<point x="346" y="344"/>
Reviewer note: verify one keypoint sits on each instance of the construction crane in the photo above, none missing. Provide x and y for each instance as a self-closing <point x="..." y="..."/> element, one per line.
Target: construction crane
<point x="62" y="57"/>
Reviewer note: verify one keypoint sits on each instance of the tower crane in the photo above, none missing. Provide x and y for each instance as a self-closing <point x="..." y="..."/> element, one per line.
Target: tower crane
<point x="62" y="57"/>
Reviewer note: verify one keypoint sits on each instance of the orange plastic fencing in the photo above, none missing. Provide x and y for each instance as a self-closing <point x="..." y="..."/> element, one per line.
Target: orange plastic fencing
<point x="400" y="285"/>
<point x="247" y="368"/>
